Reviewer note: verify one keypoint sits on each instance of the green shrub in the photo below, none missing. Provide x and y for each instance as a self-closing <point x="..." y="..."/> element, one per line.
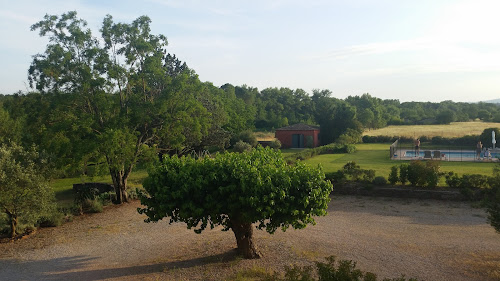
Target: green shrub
<point x="368" y="175"/>
<point x="393" y="175"/>
<point x="403" y="173"/>
<point x="331" y="270"/>
<point x="380" y="180"/>
<point x="245" y="136"/>
<point x="91" y="206"/>
<point x="275" y="144"/>
<point x="332" y="148"/>
<point x="452" y="180"/>
<point x="53" y="219"/>
<point x="420" y="174"/>
<point x="241" y="146"/>
<point x="337" y="177"/>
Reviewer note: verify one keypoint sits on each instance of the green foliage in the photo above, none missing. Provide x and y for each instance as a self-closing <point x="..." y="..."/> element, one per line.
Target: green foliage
<point x="355" y="173"/>
<point x="242" y="146"/>
<point x="380" y="180"/>
<point x="333" y="148"/>
<point x="51" y="219"/>
<point x="331" y="270"/>
<point x="403" y="173"/>
<point x="485" y="137"/>
<point x="446" y="117"/>
<point x="251" y="187"/>
<point x="24" y="192"/>
<point x="472" y="186"/>
<point x="120" y="95"/>
<point x="393" y="176"/>
<point x="247" y="137"/>
<point x="338" y="177"/>
<point x="420" y="174"/>
<point x="91" y="206"/>
<point x="275" y="144"/>
<point x="351" y="136"/>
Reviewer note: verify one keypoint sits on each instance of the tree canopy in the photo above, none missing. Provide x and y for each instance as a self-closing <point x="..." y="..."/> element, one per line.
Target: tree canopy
<point x="236" y="190"/>
<point x="126" y="93"/>
<point x="24" y="192"/>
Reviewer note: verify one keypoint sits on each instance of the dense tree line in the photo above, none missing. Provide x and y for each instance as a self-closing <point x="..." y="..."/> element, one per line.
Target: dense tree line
<point x="108" y="101"/>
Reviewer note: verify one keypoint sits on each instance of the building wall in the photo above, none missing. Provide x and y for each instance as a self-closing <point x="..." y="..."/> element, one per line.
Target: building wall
<point x="285" y="137"/>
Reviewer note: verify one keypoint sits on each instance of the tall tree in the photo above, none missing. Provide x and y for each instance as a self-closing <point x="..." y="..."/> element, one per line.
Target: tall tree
<point x="125" y="93"/>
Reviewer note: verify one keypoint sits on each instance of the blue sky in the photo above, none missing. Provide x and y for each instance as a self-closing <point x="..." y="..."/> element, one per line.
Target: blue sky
<point x="407" y="50"/>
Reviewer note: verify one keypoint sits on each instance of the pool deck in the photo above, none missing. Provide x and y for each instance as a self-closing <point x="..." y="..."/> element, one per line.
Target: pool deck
<point x="400" y="154"/>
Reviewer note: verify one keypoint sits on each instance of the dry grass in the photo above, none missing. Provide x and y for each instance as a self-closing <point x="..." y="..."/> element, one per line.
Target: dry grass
<point x="264" y="136"/>
<point x="457" y="129"/>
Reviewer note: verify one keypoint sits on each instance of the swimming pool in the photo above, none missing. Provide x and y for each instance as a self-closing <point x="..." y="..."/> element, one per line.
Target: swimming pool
<point x="469" y="154"/>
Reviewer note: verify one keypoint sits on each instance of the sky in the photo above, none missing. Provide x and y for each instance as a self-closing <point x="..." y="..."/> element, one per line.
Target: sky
<point x="392" y="49"/>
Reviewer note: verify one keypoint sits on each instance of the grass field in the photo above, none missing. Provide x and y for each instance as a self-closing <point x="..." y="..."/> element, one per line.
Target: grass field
<point x="457" y="129"/>
<point x="63" y="188"/>
<point x="376" y="157"/>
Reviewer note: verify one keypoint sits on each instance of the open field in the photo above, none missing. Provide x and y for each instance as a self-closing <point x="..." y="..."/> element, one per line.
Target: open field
<point x="376" y="157"/>
<point x="457" y="129"/>
<point x="428" y="240"/>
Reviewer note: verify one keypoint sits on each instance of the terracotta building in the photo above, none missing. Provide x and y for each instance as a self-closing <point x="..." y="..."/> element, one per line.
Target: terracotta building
<point x="298" y="136"/>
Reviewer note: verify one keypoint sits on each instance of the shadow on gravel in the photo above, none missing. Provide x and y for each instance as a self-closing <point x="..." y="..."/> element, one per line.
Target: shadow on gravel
<point x="11" y="269"/>
<point x="54" y="269"/>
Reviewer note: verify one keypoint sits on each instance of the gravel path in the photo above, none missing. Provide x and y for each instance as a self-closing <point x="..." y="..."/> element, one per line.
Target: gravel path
<point x="429" y="240"/>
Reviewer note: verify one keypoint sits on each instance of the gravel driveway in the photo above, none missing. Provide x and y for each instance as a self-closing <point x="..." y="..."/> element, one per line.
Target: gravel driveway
<point x="429" y="240"/>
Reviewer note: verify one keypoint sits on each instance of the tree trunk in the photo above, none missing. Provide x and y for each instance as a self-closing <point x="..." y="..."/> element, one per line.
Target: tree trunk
<point x="120" y="183"/>
<point x="13" y="223"/>
<point x="244" y="239"/>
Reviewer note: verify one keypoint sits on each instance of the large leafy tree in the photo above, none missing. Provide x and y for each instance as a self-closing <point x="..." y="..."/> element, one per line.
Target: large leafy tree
<point x="125" y="92"/>
<point x="236" y="190"/>
<point x="24" y="191"/>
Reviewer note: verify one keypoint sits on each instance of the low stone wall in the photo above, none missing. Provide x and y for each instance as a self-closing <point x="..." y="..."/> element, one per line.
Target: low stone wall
<point x="398" y="192"/>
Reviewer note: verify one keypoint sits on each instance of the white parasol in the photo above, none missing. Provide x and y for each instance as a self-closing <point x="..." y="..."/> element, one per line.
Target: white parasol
<point x="493" y="141"/>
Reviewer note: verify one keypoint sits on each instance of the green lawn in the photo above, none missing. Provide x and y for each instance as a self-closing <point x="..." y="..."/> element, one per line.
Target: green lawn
<point x="376" y="157"/>
<point x="63" y="188"/>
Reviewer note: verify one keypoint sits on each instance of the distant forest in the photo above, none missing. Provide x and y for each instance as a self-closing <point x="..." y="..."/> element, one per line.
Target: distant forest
<point x="233" y="109"/>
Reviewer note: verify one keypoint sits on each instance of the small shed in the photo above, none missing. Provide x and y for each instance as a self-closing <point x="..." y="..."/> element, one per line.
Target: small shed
<point x="298" y="136"/>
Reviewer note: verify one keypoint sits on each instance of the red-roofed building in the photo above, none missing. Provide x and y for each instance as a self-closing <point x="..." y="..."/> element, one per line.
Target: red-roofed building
<point x="298" y="136"/>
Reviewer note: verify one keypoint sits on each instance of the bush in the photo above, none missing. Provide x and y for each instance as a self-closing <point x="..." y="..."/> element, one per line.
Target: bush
<point x="241" y="146"/>
<point x="403" y="173"/>
<point x="245" y="136"/>
<point x="337" y="177"/>
<point x="380" y="180"/>
<point x="351" y="136"/>
<point x="452" y="180"/>
<point x="420" y="174"/>
<point x="393" y="175"/>
<point x="275" y="144"/>
<point x="53" y="219"/>
<point x="91" y="206"/>
<point x="355" y="173"/>
<point x="379" y="139"/>
<point x="368" y="175"/>
<point x="332" y="148"/>
<point x="343" y="270"/>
